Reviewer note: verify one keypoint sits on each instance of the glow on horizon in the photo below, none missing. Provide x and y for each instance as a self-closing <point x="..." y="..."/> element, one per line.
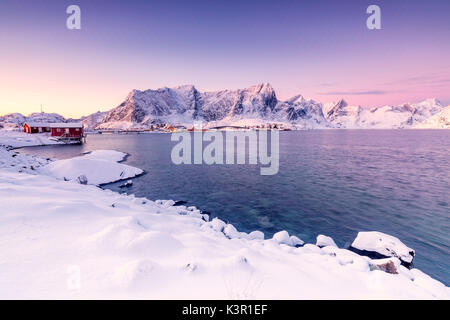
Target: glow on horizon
<point x="299" y="48"/>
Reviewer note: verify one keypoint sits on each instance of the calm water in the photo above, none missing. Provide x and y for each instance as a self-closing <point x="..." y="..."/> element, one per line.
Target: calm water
<point x="332" y="182"/>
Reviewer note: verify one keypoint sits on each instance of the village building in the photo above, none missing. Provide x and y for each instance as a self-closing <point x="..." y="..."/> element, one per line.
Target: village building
<point x="67" y="130"/>
<point x="70" y="130"/>
<point x="36" y="127"/>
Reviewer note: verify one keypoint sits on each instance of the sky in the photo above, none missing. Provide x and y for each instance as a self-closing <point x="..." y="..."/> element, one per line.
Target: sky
<point x="320" y="49"/>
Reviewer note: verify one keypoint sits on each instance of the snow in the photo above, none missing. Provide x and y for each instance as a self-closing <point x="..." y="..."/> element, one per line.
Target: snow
<point x="440" y="120"/>
<point x="283" y="237"/>
<point x="296" y="241"/>
<point x="390" y="265"/>
<point x="65" y="240"/>
<point x="16" y="162"/>
<point x="99" y="167"/>
<point x="218" y="224"/>
<point x="255" y="235"/>
<point x="231" y="232"/>
<point x="407" y="115"/>
<point x="383" y="244"/>
<point x="19" y="119"/>
<point x="257" y="106"/>
<point x="249" y="107"/>
<point x="323" y="241"/>
<point x="16" y="139"/>
<point x="92" y="120"/>
<point x="66" y="125"/>
<point x="107" y="155"/>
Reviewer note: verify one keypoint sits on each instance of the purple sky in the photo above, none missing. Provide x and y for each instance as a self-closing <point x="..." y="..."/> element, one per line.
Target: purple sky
<point x="321" y="49"/>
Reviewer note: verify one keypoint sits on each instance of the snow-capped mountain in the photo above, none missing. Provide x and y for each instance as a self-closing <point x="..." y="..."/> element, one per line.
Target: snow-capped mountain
<point x="182" y="105"/>
<point x="256" y="105"/>
<point x="13" y="118"/>
<point x="440" y="120"/>
<point x="45" y="117"/>
<point x="341" y="115"/>
<point x="253" y="106"/>
<point x="93" y="120"/>
<point x="89" y="122"/>
<point x="19" y="119"/>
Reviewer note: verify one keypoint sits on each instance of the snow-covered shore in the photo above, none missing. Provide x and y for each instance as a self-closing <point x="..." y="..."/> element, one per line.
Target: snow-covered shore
<point x="62" y="239"/>
<point x="17" y="139"/>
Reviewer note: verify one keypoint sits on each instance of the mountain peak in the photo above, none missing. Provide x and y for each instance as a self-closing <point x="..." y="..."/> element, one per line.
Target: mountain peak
<point x="262" y="88"/>
<point x="430" y="102"/>
<point x="341" y="104"/>
<point x="186" y="87"/>
<point x="296" y="99"/>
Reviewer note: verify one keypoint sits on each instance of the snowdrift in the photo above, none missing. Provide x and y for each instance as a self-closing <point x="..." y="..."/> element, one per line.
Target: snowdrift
<point x="96" y="168"/>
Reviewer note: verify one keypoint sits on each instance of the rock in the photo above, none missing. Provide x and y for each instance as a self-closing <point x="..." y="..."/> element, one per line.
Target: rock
<point x="389" y="265"/>
<point x="282" y="237"/>
<point x="296" y="242"/>
<point x="255" y="235"/>
<point x="231" y="232"/>
<point x="380" y="245"/>
<point x="190" y="267"/>
<point x="218" y="224"/>
<point x="165" y="203"/>
<point x="129" y="183"/>
<point x="205" y="212"/>
<point x="82" y="179"/>
<point x="324" y="241"/>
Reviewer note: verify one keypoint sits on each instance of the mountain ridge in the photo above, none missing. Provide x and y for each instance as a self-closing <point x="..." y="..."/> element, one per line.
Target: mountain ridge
<point x="253" y="106"/>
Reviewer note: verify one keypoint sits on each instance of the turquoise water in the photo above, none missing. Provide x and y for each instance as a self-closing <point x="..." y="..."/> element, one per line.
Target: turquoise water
<point x="332" y="182"/>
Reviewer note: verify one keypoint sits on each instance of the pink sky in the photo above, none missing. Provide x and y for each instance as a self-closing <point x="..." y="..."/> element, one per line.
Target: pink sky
<point x="300" y="48"/>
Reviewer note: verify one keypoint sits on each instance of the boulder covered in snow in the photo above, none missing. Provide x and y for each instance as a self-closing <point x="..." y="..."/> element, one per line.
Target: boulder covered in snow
<point x="380" y="245"/>
<point x="231" y="232"/>
<point x="128" y="183"/>
<point x="324" y="241"/>
<point x="283" y="237"/>
<point x="255" y="235"/>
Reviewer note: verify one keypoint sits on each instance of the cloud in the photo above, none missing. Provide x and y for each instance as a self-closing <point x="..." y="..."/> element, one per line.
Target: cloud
<point x="326" y="84"/>
<point x="354" y="93"/>
<point x="426" y="80"/>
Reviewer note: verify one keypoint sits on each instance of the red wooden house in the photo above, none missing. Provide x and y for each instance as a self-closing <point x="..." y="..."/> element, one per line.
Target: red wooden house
<point x="67" y="130"/>
<point x="61" y="130"/>
<point x="36" y="127"/>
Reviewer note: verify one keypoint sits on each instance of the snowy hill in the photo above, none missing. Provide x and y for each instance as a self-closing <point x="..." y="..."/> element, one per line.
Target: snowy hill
<point x="93" y="120"/>
<point x="89" y="122"/>
<point x="19" y="119"/>
<point x="45" y="117"/>
<point x="13" y="118"/>
<point x="440" y="120"/>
